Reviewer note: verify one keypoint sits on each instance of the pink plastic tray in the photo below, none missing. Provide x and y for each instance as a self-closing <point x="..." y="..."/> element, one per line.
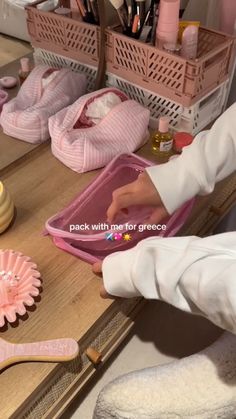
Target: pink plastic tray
<point x="89" y="208"/>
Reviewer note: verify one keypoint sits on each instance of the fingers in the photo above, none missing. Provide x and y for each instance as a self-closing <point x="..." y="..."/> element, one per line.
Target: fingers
<point x="157" y="215"/>
<point x="97" y="269"/>
<point x="119" y="202"/>
<point x="140" y="192"/>
<point x="104" y="294"/>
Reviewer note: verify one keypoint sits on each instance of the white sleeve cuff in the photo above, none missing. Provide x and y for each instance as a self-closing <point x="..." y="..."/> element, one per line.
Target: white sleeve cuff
<point x="173" y="182"/>
<point x="117" y="274"/>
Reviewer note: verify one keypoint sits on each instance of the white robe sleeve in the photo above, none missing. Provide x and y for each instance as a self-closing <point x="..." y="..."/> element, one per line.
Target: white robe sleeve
<point x="196" y="275"/>
<point x="209" y="159"/>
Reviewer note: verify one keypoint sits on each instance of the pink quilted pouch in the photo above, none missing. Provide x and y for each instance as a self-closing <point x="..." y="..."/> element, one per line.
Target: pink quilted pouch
<point x="83" y="146"/>
<point x="82" y="228"/>
<point x="26" y="116"/>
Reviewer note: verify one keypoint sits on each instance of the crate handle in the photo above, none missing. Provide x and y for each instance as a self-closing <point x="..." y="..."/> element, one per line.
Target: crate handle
<point x="214" y="58"/>
<point x="207" y="100"/>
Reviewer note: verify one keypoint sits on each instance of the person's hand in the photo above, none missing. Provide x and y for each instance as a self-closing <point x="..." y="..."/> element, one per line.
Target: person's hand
<point x="97" y="269"/>
<point x="140" y="192"/>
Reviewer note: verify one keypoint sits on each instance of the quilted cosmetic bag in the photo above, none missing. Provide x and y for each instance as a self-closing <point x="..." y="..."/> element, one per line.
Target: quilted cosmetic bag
<point x="82" y="228"/>
<point x="45" y="92"/>
<point x="82" y="145"/>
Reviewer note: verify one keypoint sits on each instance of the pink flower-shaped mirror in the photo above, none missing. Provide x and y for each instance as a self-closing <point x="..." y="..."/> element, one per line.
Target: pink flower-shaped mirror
<point x="19" y="284"/>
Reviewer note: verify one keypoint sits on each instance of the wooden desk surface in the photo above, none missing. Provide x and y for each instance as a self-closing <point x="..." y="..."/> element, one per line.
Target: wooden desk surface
<point x="70" y="302"/>
<point x="10" y="148"/>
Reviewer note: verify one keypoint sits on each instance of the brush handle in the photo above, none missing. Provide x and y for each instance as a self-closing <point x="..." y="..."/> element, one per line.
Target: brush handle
<point x="49" y="350"/>
<point x="81" y="8"/>
<point x="129" y="23"/>
<point x="140" y="4"/>
<point x="94" y="8"/>
<point x="123" y="16"/>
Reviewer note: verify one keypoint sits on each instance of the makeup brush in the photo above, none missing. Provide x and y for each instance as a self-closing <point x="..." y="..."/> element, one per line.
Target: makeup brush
<point x="94" y="8"/>
<point x="86" y="16"/>
<point x="146" y="28"/>
<point x="81" y="8"/>
<point x="136" y="26"/>
<point x="121" y="11"/>
<point x="141" y="11"/>
<point x="130" y="7"/>
<point x="89" y="17"/>
<point x="101" y="71"/>
<point x="129" y="24"/>
<point x="155" y="20"/>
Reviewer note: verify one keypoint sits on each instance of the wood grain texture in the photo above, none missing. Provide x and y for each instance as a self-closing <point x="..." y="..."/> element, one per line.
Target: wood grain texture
<point x="12" y="48"/>
<point x="10" y="148"/>
<point x="70" y="302"/>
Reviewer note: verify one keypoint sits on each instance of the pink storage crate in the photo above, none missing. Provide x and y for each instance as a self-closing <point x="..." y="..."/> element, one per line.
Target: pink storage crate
<point x="190" y="119"/>
<point x="42" y="56"/>
<point x="63" y="35"/>
<point x="169" y="75"/>
<point x="89" y="208"/>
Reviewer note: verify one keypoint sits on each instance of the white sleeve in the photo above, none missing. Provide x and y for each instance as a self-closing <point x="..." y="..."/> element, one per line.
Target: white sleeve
<point x="210" y="158"/>
<point x="196" y="275"/>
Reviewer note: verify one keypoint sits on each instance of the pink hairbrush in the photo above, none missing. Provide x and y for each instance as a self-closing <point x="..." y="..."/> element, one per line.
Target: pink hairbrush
<point x="58" y="350"/>
<point x="8" y="82"/>
<point x="19" y="283"/>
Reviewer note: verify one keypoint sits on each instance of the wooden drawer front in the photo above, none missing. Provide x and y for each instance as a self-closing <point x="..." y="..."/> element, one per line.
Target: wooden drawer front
<point x="69" y="378"/>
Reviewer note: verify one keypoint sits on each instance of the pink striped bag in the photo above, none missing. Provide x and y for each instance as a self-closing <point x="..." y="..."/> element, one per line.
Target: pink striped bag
<point x="26" y="116"/>
<point x="82" y="145"/>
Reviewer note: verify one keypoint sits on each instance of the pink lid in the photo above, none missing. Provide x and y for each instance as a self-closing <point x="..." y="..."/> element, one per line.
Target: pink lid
<point x="8" y="81"/>
<point x="169" y="11"/>
<point x="164" y="123"/>
<point x="182" y="139"/>
<point x="64" y="11"/>
<point x="25" y="64"/>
